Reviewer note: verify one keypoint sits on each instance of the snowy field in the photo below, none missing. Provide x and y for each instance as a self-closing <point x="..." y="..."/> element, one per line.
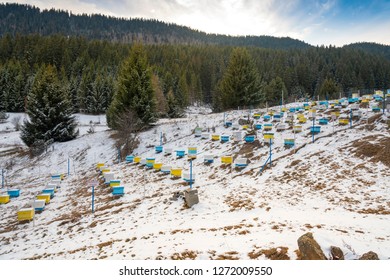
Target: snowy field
<point x="337" y="188"/>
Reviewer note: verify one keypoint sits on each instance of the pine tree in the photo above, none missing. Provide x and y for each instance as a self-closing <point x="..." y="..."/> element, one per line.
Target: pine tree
<point x="135" y="91"/>
<point x="49" y="111"/>
<point x="273" y="92"/>
<point x="240" y="85"/>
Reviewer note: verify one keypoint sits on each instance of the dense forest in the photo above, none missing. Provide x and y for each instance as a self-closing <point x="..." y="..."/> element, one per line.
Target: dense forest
<point x="26" y="19"/>
<point x="187" y="66"/>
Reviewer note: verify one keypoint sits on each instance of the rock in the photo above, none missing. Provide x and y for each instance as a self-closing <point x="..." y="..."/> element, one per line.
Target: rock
<point x="337" y="253"/>
<point x="369" y="256"/>
<point x="309" y="248"/>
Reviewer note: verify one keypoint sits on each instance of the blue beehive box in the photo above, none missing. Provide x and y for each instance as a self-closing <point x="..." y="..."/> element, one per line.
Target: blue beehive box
<point x="158" y="149"/>
<point x="13" y="193"/>
<point x="323" y="121"/>
<point x="129" y="159"/>
<point x="180" y="153"/>
<point x="250" y="138"/>
<point x="266" y="117"/>
<point x="315" y="129"/>
<point x="258" y="126"/>
<point x="228" y="124"/>
<point x="118" y="191"/>
<point x="225" y="138"/>
<point x="49" y="191"/>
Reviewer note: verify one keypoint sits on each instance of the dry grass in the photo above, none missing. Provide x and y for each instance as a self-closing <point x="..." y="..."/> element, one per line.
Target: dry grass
<point x="279" y="253"/>
<point x="376" y="152"/>
<point x="186" y="255"/>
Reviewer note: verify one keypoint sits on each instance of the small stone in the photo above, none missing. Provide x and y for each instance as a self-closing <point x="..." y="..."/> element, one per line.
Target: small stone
<point x="337" y="253"/>
<point x="369" y="256"/>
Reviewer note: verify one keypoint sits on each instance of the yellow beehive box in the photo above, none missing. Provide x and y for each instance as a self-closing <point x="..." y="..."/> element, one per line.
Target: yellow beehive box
<point x="268" y="136"/>
<point x="336" y="113"/>
<point x="227" y="159"/>
<point x="44" y="196"/>
<point x="100" y="164"/>
<point x="300" y="115"/>
<point x="245" y="127"/>
<point x="137" y="159"/>
<point x="4" y="198"/>
<point x="26" y="214"/>
<point x="343" y="121"/>
<point x="157" y="165"/>
<point x="284" y="109"/>
<point x="106" y="170"/>
<point x="271" y="113"/>
<point x="176" y="172"/>
<point x="302" y="120"/>
<point x="215" y="137"/>
<point x="267" y="127"/>
<point x="297" y="128"/>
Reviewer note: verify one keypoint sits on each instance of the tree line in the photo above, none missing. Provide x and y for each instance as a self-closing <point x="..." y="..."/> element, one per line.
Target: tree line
<point x="181" y="75"/>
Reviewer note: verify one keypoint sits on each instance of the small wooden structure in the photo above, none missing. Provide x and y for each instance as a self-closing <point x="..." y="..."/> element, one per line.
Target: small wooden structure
<point x="241" y="162"/>
<point x="176" y="172"/>
<point x="13" y="193"/>
<point x="26" y="214"/>
<point x="44" y="196"/>
<point x="227" y="160"/>
<point x="4" y="198"/>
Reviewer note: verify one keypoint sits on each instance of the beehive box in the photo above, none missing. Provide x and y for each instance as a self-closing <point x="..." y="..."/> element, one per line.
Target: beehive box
<point x="250" y="138"/>
<point x="176" y="172"/>
<point x="26" y="214"/>
<point x="188" y="177"/>
<point x="215" y="137"/>
<point x="39" y="205"/>
<point x="100" y="164"/>
<point x="241" y="162"/>
<point x="267" y="127"/>
<point x="225" y="138"/>
<point x="108" y="177"/>
<point x="343" y="121"/>
<point x="13" y="193"/>
<point x="297" y="128"/>
<point x="180" y="153"/>
<point x="137" y="159"/>
<point x="44" y="196"/>
<point x="49" y="191"/>
<point x="227" y="160"/>
<point x="150" y="162"/>
<point x="129" y="159"/>
<point x="115" y="183"/>
<point x="208" y="159"/>
<point x="118" y="191"/>
<point x="168" y="151"/>
<point x="166" y="169"/>
<point x="289" y="142"/>
<point x="205" y="135"/>
<point x="158" y="149"/>
<point x="4" y="198"/>
<point x="157" y="165"/>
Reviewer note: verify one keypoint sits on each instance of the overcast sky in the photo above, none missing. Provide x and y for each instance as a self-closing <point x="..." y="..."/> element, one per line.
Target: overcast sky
<point x="317" y="22"/>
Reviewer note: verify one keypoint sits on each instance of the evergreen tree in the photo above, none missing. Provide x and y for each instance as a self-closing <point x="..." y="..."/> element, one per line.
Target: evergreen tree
<point x="329" y="89"/>
<point x="240" y="85"/>
<point x="273" y="92"/>
<point x="49" y="111"/>
<point x="135" y="90"/>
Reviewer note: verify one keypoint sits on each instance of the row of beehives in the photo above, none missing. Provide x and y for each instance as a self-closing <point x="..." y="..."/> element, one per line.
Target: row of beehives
<point x="39" y="202"/>
<point x="151" y="163"/>
<point x="110" y="180"/>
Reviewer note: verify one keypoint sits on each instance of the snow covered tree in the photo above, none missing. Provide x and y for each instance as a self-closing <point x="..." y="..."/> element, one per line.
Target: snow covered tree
<point x="240" y="84"/>
<point x="135" y="91"/>
<point x="49" y="111"/>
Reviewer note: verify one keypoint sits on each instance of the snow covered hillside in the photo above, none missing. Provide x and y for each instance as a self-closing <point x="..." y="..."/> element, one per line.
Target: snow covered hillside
<point x="337" y="188"/>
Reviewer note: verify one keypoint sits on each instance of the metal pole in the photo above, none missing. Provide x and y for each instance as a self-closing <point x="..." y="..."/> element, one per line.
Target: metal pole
<point x="191" y="174"/>
<point x="2" y="178"/>
<point x="160" y="138"/>
<point x="312" y="132"/>
<point x="93" y="198"/>
<point x="68" y="166"/>
<point x="270" y="152"/>
<point x="350" y="119"/>
<point x="119" y="155"/>
<point x="383" y="101"/>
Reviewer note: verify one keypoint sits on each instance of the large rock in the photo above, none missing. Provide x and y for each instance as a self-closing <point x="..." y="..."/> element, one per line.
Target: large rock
<point x="309" y="248"/>
<point x="337" y="253"/>
<point x="369" y="256"/>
